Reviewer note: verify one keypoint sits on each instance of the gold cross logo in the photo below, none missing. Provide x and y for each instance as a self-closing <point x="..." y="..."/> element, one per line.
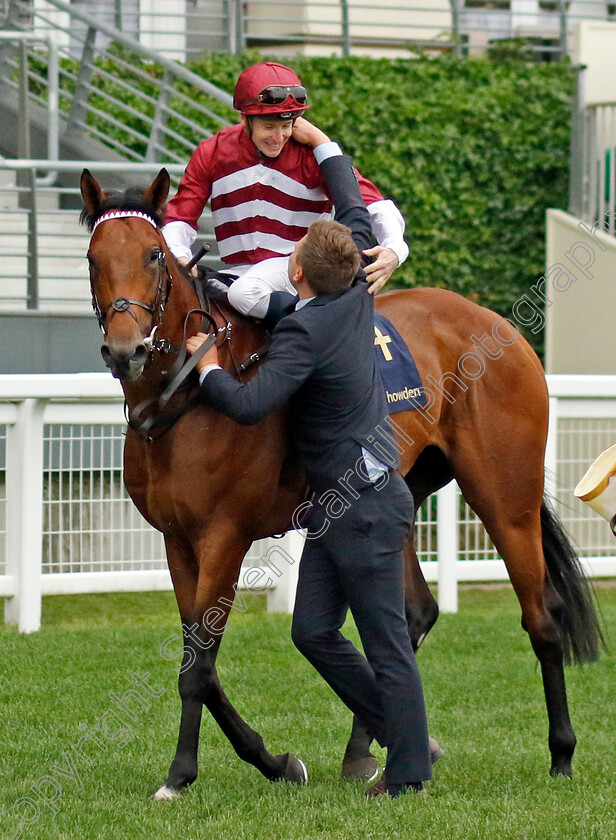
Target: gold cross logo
<point x="382" y="341"/>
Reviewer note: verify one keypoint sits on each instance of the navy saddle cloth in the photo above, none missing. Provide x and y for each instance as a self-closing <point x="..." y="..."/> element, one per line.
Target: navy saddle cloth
<point x="401" y="380"/>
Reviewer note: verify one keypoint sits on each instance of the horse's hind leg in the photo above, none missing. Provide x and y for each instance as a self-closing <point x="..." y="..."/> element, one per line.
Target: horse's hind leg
<point x="511" y="513"/>
<point x="541" y="605"/>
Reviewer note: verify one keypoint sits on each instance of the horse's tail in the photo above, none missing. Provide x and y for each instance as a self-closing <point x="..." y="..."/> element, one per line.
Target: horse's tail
<point x="580" y="627"/>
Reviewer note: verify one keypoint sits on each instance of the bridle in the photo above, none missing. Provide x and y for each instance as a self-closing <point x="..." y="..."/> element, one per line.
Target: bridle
<point x="149" y="414"/>
<point x="122" y="304"/>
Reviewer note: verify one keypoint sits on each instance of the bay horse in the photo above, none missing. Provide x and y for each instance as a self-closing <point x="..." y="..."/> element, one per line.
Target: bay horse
<point x="212" y="487"/>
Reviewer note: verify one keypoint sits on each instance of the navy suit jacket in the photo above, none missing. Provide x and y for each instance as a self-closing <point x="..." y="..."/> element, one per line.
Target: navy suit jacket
<point x="321" y="362"/>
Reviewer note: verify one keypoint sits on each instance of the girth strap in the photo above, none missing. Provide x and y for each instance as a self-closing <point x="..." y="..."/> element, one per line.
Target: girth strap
<point x="255" y="357"/>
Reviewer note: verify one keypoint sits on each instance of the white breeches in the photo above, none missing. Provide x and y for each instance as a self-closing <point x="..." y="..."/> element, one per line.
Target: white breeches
<point x="250" y="293"/>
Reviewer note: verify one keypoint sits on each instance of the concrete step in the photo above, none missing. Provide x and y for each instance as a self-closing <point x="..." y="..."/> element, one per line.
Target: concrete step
<point x="13" y="290"/>
<point x="62" y="264"/>
<point x="63" y="228"/>
<point x="50" y="266"/>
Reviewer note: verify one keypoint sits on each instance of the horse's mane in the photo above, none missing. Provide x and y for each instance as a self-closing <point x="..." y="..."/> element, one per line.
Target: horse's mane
<point x="130" y="199"/>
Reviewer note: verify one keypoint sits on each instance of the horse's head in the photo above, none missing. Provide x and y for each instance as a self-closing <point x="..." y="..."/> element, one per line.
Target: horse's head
<point x="128" y="272"/>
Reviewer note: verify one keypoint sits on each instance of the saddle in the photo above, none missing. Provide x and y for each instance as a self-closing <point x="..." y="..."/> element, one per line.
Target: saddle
<point x="215" y="286"/>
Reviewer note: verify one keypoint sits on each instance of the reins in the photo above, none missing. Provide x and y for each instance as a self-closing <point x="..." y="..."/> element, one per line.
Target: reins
<point x="181" y="369"/>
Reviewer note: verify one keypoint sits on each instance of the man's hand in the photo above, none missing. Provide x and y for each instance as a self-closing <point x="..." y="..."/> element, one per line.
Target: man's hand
<point x="307" y="133"/>
<point x="210" y="358"/>
<point x="379" y="272"/>
<point x="184" y="261"/>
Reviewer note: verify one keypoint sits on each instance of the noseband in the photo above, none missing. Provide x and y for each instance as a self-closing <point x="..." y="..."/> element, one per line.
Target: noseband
<point x="122" y="304"/>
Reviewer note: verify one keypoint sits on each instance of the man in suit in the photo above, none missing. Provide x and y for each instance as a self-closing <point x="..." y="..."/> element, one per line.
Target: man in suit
<point x="322" y="363"/>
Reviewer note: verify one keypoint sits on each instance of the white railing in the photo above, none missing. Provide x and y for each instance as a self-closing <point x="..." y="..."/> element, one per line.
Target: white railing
<point x="68" y="526"/>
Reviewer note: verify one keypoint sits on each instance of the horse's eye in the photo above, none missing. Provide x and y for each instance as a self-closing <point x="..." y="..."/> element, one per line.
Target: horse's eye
<point x="155" y="255"/>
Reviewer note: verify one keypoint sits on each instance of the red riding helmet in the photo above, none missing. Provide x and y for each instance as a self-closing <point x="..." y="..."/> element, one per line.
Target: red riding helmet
<point x="270" y="89"/>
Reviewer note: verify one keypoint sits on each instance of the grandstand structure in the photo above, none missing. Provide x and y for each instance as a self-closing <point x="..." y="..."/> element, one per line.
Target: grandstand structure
<point x="183" y="29"/>
<point x="77" y="85"/>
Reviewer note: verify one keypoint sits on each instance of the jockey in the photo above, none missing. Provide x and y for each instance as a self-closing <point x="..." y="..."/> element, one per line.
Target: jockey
<point x="266" y="189"/>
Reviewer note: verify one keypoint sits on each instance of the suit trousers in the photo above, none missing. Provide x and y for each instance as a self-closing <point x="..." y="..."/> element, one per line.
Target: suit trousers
<point x="355" y="561"/>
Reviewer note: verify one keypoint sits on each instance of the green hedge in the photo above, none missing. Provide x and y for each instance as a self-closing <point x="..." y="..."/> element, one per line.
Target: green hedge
<point x="473" y="152"/>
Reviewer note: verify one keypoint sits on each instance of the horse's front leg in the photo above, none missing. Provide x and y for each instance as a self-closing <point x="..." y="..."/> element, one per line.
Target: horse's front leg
<point x="193" y="681"/>
<point x="248" y="744"/>
<point x="204" y="599"/>
<point x="194" y="669"/>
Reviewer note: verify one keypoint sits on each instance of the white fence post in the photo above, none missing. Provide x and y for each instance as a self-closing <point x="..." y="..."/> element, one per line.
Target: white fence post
<point x="24" y="484"/>
<point x="283" y="557"/>
<point x="447" y="506"/>
<point x="551" y="451"/>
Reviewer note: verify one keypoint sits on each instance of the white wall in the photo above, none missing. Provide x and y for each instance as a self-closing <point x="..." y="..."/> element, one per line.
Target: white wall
<point x="594" y="45"/>
<point x="162" y="27"/>
<point x="579" y="297"/>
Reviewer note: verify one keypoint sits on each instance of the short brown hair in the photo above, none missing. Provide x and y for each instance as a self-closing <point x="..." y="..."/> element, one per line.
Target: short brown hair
<point x="328" y="257"/>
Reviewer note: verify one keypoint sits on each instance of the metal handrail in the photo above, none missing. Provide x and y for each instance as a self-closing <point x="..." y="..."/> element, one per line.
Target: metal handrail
<point x="42" y="264"/>
<point x="592" y="193"/>
<point x="116" y="35"/>
<point x="133" y="133"/>
<point x="53" y="84"/>
<point x="76" y="165"/>
<point x="412" y="26"/>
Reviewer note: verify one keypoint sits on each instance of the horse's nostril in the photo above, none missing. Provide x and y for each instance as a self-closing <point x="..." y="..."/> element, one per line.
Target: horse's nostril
<point x="140" y="355"/>
<point x="106" y="354"/>
<point x="125" y="364"/>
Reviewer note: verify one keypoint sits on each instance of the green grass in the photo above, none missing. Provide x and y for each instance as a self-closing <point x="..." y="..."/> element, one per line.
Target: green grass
<point x="485" y="705"/>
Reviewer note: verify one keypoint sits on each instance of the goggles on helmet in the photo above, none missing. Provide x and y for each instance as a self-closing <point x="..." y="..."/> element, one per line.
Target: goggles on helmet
<point x="277" y="94"/>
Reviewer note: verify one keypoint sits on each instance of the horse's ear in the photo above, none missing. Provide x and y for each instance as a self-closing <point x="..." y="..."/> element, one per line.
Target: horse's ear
<point x="156" y="194"/>
<point x="91" y="193"/>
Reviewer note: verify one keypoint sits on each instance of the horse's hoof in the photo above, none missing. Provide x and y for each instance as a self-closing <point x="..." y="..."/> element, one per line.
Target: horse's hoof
<point x="295" y="770"/>
<point x="362" y="769"/>
<point x="164" y="794"/>
<point x="564" y="772"/>
<point x="436" y="751"/>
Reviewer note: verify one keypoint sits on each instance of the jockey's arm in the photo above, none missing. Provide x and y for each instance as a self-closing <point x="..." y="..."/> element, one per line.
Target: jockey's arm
<point x="386" y="220"/>
<point x="180" y="237"/>
<point x="185" y="208"/>
<point x="388" y="229"/>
